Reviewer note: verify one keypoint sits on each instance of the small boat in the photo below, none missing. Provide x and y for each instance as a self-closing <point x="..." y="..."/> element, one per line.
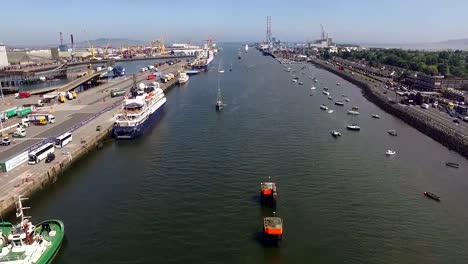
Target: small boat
<point x="355" y="108"/>
<point x="325" y="88"/>
<point x="192" y="72"/>
<point x="330" y="111"/>
<point x="352" y="112"/>
<point x="273" y="229"/>
<point x="326" y="93"/>
<point x="375" y="116"/>
<point x="313" y="88"/>
<point x="339" y="103"/>
<point x="330" y="98"/>
<point x="268" y="191"/>
<point x="432" y="196"/>
<point x="221" y="71"/>
<point x="335" y="133"/>
<point x="300" y="83"/>
<point x="293" y="80"/>
<point x="347" y="100"/>
<point x="288" y="69"/>
<point x="453" y="165"/>
<point x="338" y="84"/>
<point x="392" y="132"/>
<point x="353" y="127"/>
<point x="323" y="107"/>
<point x="390" y="152"/>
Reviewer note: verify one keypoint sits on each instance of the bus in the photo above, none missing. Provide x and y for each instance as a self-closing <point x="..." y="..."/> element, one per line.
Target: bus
<point x="40" y="153"/>
<point x="63" y="140"/>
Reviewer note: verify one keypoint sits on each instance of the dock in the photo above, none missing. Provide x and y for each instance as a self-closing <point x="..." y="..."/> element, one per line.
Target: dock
<point x="89" y="117"/>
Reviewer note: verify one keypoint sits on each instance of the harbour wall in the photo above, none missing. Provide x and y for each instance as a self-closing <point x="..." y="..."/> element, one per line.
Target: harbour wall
<point x="89" y="139"/>
<point x="444" y="135"/>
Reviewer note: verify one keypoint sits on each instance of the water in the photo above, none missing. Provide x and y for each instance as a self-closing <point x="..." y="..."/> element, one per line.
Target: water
<point x="188" y="190"/>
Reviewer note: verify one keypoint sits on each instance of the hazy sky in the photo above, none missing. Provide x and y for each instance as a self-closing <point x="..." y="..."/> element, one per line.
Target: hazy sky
<point x="371" y="21"/>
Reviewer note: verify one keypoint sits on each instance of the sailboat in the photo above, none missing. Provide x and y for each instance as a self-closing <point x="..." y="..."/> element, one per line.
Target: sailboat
<point x="246" y="48"/>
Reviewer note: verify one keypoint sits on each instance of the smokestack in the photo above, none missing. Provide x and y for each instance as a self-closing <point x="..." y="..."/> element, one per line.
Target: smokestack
<point x="71" y="38"/>
<point x="61" y="39"/>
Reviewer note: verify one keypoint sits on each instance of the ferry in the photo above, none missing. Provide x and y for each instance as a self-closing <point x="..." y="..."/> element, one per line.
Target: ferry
<point x="27" y="242"/>
<point x="139" y="111"/>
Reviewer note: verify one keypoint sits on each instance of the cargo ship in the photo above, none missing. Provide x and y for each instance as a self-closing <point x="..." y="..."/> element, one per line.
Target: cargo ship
<point x="203" y="60"/>
<point x="140" y="109"/>
<point x="28" y="243"/>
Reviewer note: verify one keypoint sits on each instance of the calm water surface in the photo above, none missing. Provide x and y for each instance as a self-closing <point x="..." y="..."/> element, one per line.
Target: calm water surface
<point x="187" y="191"/>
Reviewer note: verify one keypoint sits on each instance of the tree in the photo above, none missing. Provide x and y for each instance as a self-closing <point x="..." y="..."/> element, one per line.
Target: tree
<point x="432" y="69"/>
<point x="443" y="68"/>
<point x="457" y="71"/>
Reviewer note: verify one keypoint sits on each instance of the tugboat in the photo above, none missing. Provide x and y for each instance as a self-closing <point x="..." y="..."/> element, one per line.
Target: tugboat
<point x="268" y="192"/>
<point x="335" y="133"/>
<point x="273" y="229"/>
<point x="453" y="165"/>
<point x="432" y="196"/>
<point x="28" y="243"/>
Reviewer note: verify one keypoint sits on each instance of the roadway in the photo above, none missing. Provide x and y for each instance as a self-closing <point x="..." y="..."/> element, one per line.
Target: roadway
<point x="75" y="111"/>
<point x="442" y="118"/>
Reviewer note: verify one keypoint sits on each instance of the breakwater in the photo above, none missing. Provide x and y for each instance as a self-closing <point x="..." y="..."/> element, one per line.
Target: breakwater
<point x="436" y="130"/>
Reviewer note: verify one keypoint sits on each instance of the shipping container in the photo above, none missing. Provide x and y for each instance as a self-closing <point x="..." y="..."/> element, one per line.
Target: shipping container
<point x="25" y="111"/>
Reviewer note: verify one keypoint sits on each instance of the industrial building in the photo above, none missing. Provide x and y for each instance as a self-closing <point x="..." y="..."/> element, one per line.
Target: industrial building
<point x="423" y="82"/>
<point x="3" y="56"/>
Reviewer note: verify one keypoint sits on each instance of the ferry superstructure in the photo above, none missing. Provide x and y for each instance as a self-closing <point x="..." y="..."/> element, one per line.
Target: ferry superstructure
<point x="140" y="109"/>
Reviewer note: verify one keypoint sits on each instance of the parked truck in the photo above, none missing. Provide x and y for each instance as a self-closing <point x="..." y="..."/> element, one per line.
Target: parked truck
<point x="41" y="119"/>
<point x="22" y="95"/>
<point x="22" y="112"/>
<point x="4" y="115"/>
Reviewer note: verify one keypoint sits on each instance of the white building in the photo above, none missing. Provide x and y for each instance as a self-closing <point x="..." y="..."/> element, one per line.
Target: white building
<point x="3" y="56"/>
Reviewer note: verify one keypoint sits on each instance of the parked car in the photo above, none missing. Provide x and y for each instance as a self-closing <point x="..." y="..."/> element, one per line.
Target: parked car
<point x="50" y="157"/>
<point x="151" y="77"/>
<point x="456" y="121"/>
<point x="6" y="141"/>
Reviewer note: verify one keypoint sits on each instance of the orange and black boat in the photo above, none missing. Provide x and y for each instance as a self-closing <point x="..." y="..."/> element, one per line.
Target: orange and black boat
<point x="268" y="192"/>
<point x="273" y="229"/>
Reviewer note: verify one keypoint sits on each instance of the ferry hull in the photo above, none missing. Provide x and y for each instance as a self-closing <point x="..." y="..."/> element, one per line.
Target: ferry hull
<point x="132" y="132"/>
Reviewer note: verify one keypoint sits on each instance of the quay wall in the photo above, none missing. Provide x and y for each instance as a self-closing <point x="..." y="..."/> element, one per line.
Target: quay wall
<point x="443" y="134"/>
<point x="29" y="185"/>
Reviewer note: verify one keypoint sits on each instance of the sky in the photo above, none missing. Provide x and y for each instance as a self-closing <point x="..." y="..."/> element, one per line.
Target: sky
<point x="38" y="22"/>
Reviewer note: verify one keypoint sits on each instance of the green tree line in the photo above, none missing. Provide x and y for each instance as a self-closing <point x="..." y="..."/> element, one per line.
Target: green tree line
<point x="449" y="63"/>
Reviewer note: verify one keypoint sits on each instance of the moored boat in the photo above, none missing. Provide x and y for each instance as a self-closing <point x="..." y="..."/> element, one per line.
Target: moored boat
<point x="313" y="88"/>
<point x="452" y="164"/>
<point x="139" y="111"/>
<point x="326" y="93"/>
<point x="347" y="100"/>
<point x="352" y="112"/>
<point x="432" y="196"/>
<point x="393" y="132"/>
<point x="353" y="127"/>
<point x="28" y="243"/>
<point x="323" y="107"/>
<point x="300" y="83"/>
<point x="340" y="103"/>
<point x="375" y="116"/>
<point x="183" y="77"/>
<point x="390" y="152"/>
<point x="335" y="133"/>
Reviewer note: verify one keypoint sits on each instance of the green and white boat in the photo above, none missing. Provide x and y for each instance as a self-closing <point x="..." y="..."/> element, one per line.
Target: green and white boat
<point x="26" y="243"/>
